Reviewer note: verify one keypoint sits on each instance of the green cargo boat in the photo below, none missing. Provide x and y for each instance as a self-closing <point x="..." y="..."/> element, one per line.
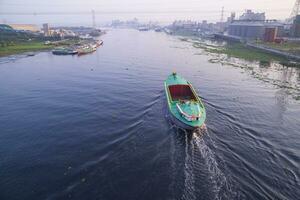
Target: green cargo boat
<point x="64" y="51"/>
<point x="186" y="108"/>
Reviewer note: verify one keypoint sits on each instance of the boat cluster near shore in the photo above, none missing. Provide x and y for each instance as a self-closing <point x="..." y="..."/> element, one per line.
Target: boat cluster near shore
<point x="78" y="49"/>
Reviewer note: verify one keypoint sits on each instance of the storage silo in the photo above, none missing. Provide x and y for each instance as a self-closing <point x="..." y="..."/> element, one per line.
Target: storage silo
<point x="296" y="26"/>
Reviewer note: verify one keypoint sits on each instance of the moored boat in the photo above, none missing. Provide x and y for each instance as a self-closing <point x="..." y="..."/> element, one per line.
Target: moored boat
<point x="143" y="28"/>
<point x="186" y="108"/>
<point x="157" y="29"/>
<point x="99" y="43"/>
<point x="86" y="49"/>
<point x="96" y="44"/>
<point x="64" y="51"/>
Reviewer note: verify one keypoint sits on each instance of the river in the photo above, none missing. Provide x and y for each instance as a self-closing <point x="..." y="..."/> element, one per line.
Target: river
<point x="96" y="126"/>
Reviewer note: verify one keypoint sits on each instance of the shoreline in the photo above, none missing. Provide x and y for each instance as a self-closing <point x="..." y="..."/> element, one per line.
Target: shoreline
<point x="15" y="48"/>
<point x="236" y="49"/>
<point x="281" y="52"/>
<point x="24" y="47"/>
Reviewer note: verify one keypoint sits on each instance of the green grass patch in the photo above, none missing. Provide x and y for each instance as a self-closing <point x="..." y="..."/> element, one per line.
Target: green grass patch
<point x="23" y="47"/>
<point x="286" y="46"/>
<point x="238" y="50"/>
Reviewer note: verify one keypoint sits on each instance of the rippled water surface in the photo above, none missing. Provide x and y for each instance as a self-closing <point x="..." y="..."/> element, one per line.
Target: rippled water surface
<point x="96" y="126"/>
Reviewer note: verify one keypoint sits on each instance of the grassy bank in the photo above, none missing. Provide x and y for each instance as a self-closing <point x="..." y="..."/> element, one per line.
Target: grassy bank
<point x="21" y="47"/>
<point x="238" y="50"/>
<point x="288" y="47"/>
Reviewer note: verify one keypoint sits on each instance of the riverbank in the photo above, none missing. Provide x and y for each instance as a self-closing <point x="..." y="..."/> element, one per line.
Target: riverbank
<point x="288" y="47"/>
<point x="18" y="47"/>
<point x="22" y="47"/>
<point x="238" y="50"/>
<point x="287" y="53"/>
<point x="233" y="47"/>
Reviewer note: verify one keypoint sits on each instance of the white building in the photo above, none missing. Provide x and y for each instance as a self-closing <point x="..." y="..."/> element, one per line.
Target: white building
<point x="252" y="16"/>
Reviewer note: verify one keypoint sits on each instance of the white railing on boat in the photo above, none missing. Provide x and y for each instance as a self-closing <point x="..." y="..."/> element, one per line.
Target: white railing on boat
<point x="187" y="116"/>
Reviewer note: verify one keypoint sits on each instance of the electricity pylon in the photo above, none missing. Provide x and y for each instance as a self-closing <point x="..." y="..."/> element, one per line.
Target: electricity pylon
<point x="295" y="11"/>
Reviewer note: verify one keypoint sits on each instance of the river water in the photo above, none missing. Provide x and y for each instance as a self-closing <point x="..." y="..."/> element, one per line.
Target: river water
<point x="96" y="126"/>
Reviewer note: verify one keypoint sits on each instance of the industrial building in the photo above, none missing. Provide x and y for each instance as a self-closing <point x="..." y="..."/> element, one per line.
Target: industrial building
<point x="295" y="29"/>
<point x="263" y="30"/>
<point x="247" y="29"/>
<point x="270" y="34"/>
<point x="46" y="30"/>
<point x="255" y="26"/>
<point x="252" y="16"/>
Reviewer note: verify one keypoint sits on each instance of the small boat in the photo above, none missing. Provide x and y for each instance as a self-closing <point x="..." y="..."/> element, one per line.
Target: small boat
<point x="30" y="54"/>
<point x="97" y="43"/>
<point x="168" y="31"/>
<point x="143" y="28"/>
<point x="94" y="45"/>
<point x="64" y="51"/>
<point x="86" y="50"/>
<point x="186" y="108"/>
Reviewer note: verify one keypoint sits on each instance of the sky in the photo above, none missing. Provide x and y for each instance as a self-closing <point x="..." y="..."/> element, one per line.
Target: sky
<point x="78" y="12"/>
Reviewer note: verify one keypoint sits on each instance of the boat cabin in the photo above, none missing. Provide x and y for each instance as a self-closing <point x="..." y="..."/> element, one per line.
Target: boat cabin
<point x="181" y="92"/>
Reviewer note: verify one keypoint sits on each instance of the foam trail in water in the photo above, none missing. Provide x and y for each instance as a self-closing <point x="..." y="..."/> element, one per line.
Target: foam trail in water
<point x="189" y="186"/>
<point x="173" y="165"/>
<point x="218" y="179"/>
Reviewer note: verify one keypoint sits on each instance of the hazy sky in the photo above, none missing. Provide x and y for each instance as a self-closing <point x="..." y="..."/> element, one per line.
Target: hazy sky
<point x="161" y="10"/>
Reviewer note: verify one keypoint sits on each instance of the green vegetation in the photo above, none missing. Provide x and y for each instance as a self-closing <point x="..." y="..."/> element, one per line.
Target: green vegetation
<point x="290" y="64"/>
<point x="238" y="50"/>
<point x="286" y="46"/>
<point x="21" y="47"/>
<point x="14" y="42"/>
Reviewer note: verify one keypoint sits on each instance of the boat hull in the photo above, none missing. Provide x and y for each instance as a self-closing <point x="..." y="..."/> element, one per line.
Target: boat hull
<point x="64" y="53"/>
<point x="175" y="89"/>
<point x="181" y="124"/>
<point x="86" y="52"/>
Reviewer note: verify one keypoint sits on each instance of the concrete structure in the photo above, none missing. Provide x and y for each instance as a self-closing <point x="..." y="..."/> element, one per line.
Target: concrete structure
<point x="270" y="34"/>
<point x="46" y="29"/>
<point x="231" y="18"/>
<point x="134" y="23"/>
<point x="249" y="15"/>
<point x="194" y="27"/>
<point x="256" y="29"/>
<point x="250" y="25"/>
<point x="185" y="25"/>
<point x="295" y="29"/>
<point x="246" y="29"/>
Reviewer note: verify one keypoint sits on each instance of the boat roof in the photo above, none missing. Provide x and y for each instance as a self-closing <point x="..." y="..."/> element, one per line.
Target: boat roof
<point x="175" y="79"/>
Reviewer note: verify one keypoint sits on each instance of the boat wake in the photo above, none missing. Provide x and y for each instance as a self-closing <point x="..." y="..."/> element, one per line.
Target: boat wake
<point x="216" y="176"/>
<point x="189" y="177"/>
<point x="200" y="160"/>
